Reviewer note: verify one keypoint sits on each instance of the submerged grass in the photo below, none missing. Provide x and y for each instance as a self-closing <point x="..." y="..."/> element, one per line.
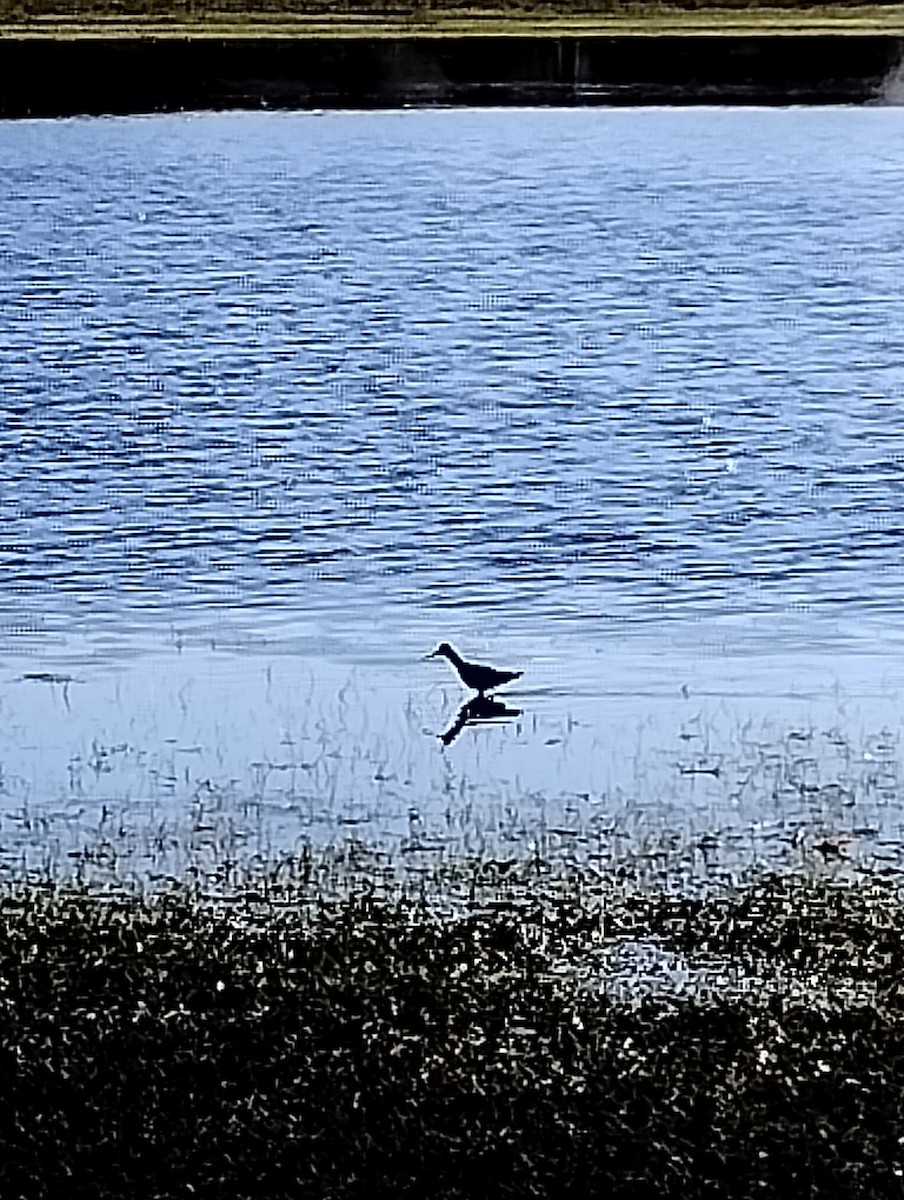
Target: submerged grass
<point x="508" y="1030"/>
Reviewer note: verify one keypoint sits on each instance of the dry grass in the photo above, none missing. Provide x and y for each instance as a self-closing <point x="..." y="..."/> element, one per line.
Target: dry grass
<point x="437" y="18"/>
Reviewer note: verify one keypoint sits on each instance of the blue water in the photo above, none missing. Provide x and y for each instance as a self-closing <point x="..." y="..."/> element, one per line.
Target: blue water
<point x="613" y="396"/>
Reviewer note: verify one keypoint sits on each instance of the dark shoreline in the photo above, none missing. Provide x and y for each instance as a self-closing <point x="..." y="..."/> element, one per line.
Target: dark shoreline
<point x="98" y="76"/>
<point x="322" y="1032"/>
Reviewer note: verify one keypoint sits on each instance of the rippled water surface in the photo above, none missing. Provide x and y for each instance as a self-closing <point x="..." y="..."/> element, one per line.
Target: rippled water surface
<point x="613" y="396"/>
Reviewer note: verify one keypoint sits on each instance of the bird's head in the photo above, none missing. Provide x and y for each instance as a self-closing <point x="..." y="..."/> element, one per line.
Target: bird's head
<point x="443" y="650"/>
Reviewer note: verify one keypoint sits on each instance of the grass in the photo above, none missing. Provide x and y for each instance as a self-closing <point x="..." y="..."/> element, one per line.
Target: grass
<point x="331" y="1028"/>
<point x="438" y="18"/>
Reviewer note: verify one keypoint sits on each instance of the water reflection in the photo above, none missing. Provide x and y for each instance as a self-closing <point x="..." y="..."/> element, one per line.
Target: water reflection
<point x="481" y="710"/>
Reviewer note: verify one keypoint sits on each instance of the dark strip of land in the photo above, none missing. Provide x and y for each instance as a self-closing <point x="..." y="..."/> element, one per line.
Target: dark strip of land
<point x="111" y="75"/>
<point x="124" y="56"/>
<point x="537" y="1036"/>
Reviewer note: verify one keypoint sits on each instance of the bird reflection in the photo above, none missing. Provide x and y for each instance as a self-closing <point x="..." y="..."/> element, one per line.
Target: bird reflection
<point x="480" y="710"/>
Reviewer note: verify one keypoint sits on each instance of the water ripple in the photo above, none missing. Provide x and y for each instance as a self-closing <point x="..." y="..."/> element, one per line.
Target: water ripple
<point x="566" y="363"/>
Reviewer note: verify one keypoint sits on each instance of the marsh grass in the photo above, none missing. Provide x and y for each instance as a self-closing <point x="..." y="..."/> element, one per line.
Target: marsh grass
<point x="203" y="994"/>
<point x="336" y="1025"/>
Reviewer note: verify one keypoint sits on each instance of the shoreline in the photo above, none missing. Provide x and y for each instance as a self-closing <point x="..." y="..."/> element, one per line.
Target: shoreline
<point x="142" y="58"/>
<point x="106" y="75"/>
<point x="318" y="1032"/>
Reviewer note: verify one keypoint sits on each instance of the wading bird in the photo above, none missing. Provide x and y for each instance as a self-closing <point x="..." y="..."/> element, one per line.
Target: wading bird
<point x="473" y="675"/>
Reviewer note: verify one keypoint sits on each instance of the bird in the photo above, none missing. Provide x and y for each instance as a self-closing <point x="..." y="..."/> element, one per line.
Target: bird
<point x="481" y="679"/>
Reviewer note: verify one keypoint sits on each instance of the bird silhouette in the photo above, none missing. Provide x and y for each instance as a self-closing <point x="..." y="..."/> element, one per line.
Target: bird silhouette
<point x="479" y="710"/>
<point x="473" y="675"/>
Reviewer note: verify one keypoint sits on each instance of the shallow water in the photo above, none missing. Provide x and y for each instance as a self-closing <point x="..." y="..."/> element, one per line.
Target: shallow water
<point x="611" y="396"/>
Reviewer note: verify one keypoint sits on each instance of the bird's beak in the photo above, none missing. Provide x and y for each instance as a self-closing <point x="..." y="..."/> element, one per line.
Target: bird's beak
<point x="431" y="655"/>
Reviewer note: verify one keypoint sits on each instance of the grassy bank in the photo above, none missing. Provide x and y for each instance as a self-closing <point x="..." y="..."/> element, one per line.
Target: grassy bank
<point x="437" y="18"/>
<point x="326" y="1030"/>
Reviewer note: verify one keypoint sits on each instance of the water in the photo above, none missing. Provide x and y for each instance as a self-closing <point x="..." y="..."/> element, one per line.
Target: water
<point x="611" y="396"/>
